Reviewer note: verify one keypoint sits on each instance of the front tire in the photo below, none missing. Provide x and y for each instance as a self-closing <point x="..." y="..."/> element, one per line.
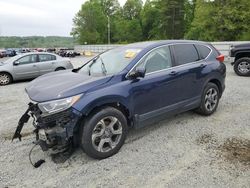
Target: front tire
<point x="242" y="66"/>
<point x="104" y="133"/>
<point x="5" y="79"/>
<point x="209" y="100"/>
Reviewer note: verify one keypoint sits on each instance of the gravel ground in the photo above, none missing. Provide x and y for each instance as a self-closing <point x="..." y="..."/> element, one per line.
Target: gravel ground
<point x="187" y="150"/>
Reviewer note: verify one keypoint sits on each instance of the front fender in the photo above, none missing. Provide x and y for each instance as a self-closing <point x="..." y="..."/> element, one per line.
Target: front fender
<point x="114" y="93"/>
<point x="102" y="101"/>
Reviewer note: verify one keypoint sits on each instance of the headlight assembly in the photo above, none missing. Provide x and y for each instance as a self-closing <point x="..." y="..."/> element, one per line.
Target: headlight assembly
<point x="55" y="106"/>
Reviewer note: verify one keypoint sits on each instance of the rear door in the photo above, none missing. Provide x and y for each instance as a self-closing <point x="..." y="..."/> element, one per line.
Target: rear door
<point x="189" y="67"/>
<point x="26" y="67"/>
<point x="47" y="63"/>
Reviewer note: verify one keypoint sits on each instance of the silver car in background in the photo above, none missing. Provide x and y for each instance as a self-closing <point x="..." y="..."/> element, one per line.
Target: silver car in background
<point x="31" y="65"/>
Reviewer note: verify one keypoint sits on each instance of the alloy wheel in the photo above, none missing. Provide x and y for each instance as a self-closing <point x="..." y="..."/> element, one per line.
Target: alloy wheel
<point x="211" y="99"/>
<point x="244" y="67"/>
<point x="107" y="134"/>
<point x="4" y="79"/>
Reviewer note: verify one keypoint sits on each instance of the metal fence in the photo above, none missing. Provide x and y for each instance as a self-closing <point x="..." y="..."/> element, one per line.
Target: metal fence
<point x="95" y="48"/>
<point x="223" y="47"/>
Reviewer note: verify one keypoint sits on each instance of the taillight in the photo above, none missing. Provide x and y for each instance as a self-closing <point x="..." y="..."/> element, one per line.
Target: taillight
<point x="221" y="58"/>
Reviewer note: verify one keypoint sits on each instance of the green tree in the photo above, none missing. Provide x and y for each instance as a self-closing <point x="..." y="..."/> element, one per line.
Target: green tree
<point x="132" y="9"/>
<point x="128" y="26"/>
<point x="151" y="20"/>
<point x="209" y="20"/>
<point x="173" y="12"/>
<point x="231" y="20"/>
<point x="220" y="20"/>
<point x="90" y="23"/>
<point x="200" y="27"/>
<point x="111" y="7"/>
<point x="189" y="13"/>
<point x="36" y="42"/>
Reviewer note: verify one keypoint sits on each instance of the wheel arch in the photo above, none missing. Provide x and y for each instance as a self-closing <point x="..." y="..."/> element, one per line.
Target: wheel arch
<point x="117" y="105"/>
<point x="60" y="68"/>
<point x="117" y="102"/>
<point x="242" y="54"/>
<point x="218" y="84"/>
<point x="94" y="109"/>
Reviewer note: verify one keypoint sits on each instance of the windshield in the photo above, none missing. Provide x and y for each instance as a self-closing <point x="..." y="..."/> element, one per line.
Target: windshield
<point x="110" y="62"/>
<point x="12" y="59"/>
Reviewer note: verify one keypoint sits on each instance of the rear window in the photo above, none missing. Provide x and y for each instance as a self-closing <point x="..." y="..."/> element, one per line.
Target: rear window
<point x="203" y="50"/>
<point x="185" y="53"/>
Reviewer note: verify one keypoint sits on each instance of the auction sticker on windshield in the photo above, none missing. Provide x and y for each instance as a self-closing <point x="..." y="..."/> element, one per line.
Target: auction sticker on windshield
<point x="131" y="53"/>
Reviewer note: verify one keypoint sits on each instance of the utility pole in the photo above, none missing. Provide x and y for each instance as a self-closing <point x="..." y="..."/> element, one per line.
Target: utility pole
<point x="108" y="29"/>
<point x="173" y="23"/>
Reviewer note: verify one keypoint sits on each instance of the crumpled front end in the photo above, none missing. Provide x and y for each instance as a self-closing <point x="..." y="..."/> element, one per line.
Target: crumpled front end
<point x="55" y="132"/>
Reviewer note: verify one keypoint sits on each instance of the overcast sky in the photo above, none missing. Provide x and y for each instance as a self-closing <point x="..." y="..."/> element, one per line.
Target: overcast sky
<point x="38" y="17"/>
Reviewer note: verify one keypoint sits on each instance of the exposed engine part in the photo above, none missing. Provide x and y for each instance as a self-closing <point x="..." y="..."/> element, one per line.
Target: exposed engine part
<point x="54" y="133"/>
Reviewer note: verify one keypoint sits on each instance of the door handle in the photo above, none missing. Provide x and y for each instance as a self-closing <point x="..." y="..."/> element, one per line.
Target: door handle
<point x="34" y="65"/>
<point x="203" y="65"/>
<point x="53" y="63"/>
<point x="173" y="73"/>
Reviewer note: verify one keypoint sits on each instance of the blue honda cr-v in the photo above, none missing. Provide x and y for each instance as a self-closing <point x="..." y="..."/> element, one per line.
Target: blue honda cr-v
<point x="127" y="87"/>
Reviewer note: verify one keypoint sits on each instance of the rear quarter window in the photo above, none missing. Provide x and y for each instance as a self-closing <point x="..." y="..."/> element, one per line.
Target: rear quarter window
<point x="46" y="57"/>
<point x="203" y="50"/>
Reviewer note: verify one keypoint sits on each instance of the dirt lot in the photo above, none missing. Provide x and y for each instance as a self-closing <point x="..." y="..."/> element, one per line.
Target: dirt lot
<point x="187" y="150"/>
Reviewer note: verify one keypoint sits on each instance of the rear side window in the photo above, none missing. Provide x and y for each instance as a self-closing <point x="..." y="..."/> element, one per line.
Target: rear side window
<point x="185" y="53"/>
<point x="46" y="57"/>
<point x="203" y="50"/>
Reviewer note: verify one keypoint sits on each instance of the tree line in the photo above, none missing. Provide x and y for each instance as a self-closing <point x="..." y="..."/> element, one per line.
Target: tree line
<point x="36" y="42"/>
<point x="208" y="20"/>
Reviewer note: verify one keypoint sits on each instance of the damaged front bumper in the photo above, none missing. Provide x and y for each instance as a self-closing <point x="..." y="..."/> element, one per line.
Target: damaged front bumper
<point x="54" y="132"/>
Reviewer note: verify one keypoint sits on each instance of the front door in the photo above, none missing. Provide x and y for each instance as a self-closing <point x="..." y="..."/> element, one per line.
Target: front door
<point x="26" y="67"/>
<point x="158" y="90"/>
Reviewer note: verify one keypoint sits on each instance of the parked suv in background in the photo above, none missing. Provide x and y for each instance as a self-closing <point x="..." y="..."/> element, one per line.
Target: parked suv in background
<point x="127" y="87"/>
<point x="240" y="59"/>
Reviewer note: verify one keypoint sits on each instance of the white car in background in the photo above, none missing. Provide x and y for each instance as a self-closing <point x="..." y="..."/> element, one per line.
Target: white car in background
<point x="31" y="65"/>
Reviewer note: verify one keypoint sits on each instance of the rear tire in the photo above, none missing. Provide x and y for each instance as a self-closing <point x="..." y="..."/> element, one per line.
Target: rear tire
<point x="5" y="79"/>
<point x="104" y="133"/>
<point x="209" y="100"/>
<point x="242" y="66"/>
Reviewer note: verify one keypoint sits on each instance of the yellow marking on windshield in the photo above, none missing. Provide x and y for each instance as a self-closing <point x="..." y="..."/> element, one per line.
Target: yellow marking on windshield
<point x="131" y="53"/>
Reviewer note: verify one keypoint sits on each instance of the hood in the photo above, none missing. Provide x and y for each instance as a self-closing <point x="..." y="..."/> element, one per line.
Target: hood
<point x="61" y="84"/>
<point x="4" y="64"/>
<point x="245" y="45"/>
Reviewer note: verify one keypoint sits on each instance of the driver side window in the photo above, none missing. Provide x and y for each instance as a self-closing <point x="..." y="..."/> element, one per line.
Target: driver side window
<point x="28" y="59"/>
<point x="158" y="59"/>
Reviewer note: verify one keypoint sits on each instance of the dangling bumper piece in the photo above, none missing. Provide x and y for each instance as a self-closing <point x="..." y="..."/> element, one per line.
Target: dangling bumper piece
<point x="54" y="132"/>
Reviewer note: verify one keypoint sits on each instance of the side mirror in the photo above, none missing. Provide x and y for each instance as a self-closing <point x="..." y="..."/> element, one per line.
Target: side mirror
<point x="137" y="73"/>
<point x="16" y="63"/>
